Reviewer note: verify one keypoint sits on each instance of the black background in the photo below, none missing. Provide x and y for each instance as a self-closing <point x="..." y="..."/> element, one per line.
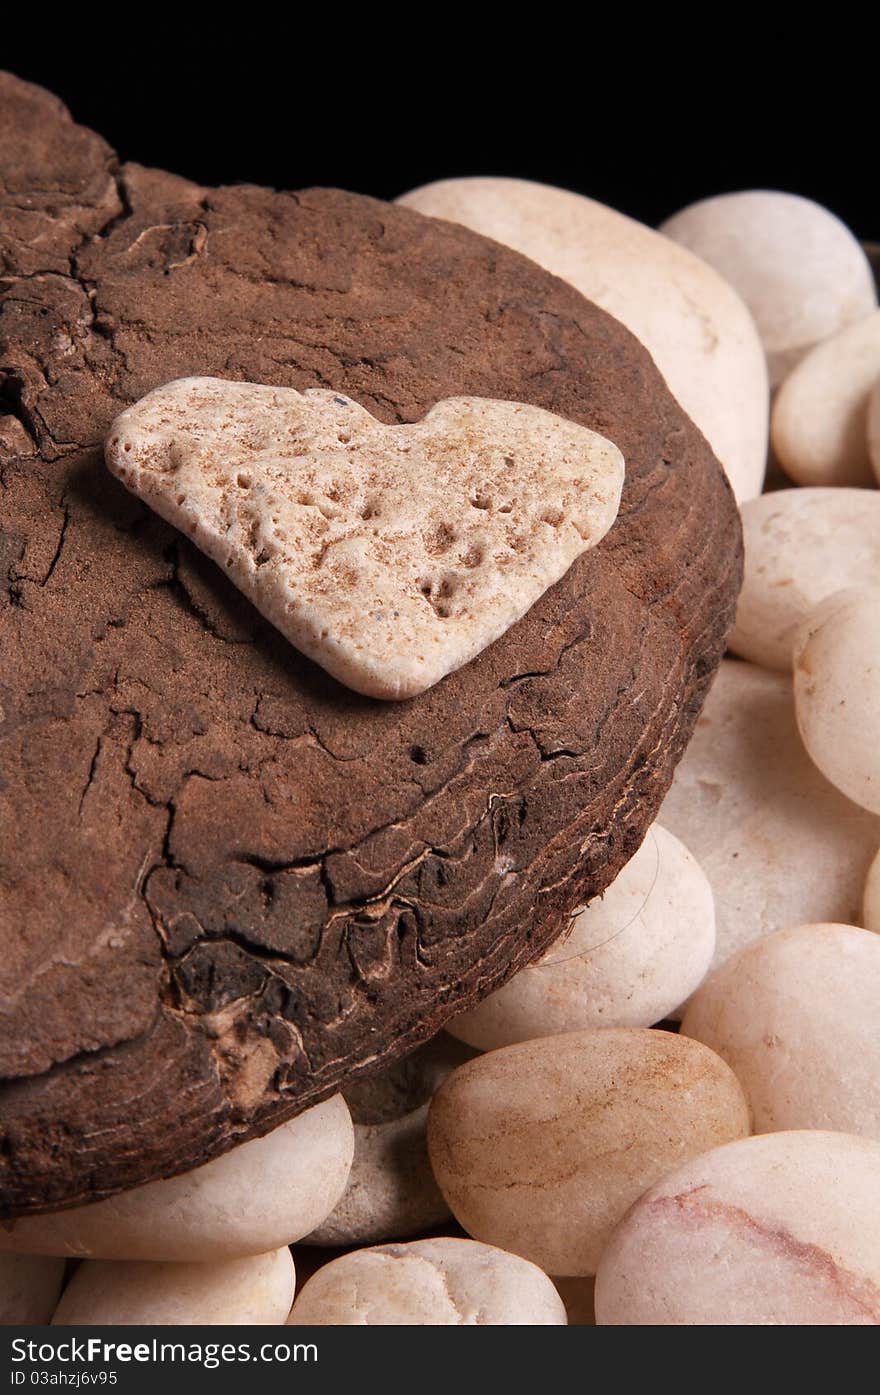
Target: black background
<point x="644" y="115"/>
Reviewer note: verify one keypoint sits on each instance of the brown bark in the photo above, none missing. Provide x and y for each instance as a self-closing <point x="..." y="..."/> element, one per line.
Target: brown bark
<point x="228" y="885"/>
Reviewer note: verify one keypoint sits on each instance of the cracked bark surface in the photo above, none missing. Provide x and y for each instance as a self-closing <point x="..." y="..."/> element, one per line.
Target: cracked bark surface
<point x="227" y="885"/>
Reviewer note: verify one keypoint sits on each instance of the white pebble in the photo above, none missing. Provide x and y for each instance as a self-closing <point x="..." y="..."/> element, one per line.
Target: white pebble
<point x="391" y="1192"/>
<point x="541" y="1147"/>
<point x="837" y="691"/>
<point x="239" y="1292"/>
<point x="819" y="426"/>
<point x="429" y="1283"/>
<point x="779" y="844"/>
<point x="693" y="323"/>
<point x="796" y="1018"/>
<point x="630" y="959"/>
<point x="776" y="1230"/>
<point x="798" y="268"/>
<point x="265" y="1193"/>
<point x="801" y="545"/>
<point x="29" y="1288"/>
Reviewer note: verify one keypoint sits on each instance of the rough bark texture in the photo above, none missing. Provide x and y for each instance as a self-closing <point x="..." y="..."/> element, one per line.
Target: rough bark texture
<point x="227" y="885"/>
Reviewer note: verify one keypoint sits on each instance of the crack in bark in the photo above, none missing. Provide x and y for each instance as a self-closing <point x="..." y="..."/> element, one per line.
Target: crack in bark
<point x="58" y="550"/>
<point x="91" y="775"/>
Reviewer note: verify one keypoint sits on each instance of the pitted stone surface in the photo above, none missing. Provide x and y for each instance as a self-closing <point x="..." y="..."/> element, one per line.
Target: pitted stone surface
<point x="390" y="555"/>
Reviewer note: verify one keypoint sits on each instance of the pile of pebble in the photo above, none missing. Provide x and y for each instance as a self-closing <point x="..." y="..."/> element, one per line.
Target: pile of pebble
<point x="568" y="1160"/>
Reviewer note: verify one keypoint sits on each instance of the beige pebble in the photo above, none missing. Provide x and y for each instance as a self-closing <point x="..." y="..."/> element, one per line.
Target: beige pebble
<point x="255" y="1290"/>
<point x="776" y="1230"/>
<point x="837" y="691"/>
<point x="579" y="1297"/>
<point x="265" y="1193"/>
<point x="779" y="844"/>
<point x="695" y="326"/>
<point x="874" y="429"/>
<point x="798" y="268"/>
<point x="429" y="1283"/>
<point x="796" y="1018"/>
<point x="871" y="898"/>
<point x="819" y="425"/>
<point x="390" y="555"/>
<point x="801" y="545"/>
<point x="29" y="1288"/>
<point x="542" y="1146"/>
<point x="630" y="959"/>
<point x="391" y="1192"/>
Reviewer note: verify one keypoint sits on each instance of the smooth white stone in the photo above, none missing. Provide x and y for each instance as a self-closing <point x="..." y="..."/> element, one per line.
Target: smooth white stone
<point x="779" y="844"/>
<point x="261" y="1195"/>
<point x="776" y="1230"/>
<point x="798" y="268"/>
<point x="692" y="322"/>
<point x="837" y="691"/>
<point x="819" y="424"/>
<point x="238" y="1292"/>
<point x="801" y="545"/>
<point x="796" y="1018"/>
<point x="429" y="1283"/>
<point x="541" y="1147"/>
<point x="391" y="1192"/>
<point x="630" y="959"/>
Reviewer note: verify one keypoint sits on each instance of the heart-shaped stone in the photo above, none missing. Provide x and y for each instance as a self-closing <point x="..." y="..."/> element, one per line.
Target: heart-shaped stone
<point x="391" y="555"/>
<point x="228" y="884"/>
